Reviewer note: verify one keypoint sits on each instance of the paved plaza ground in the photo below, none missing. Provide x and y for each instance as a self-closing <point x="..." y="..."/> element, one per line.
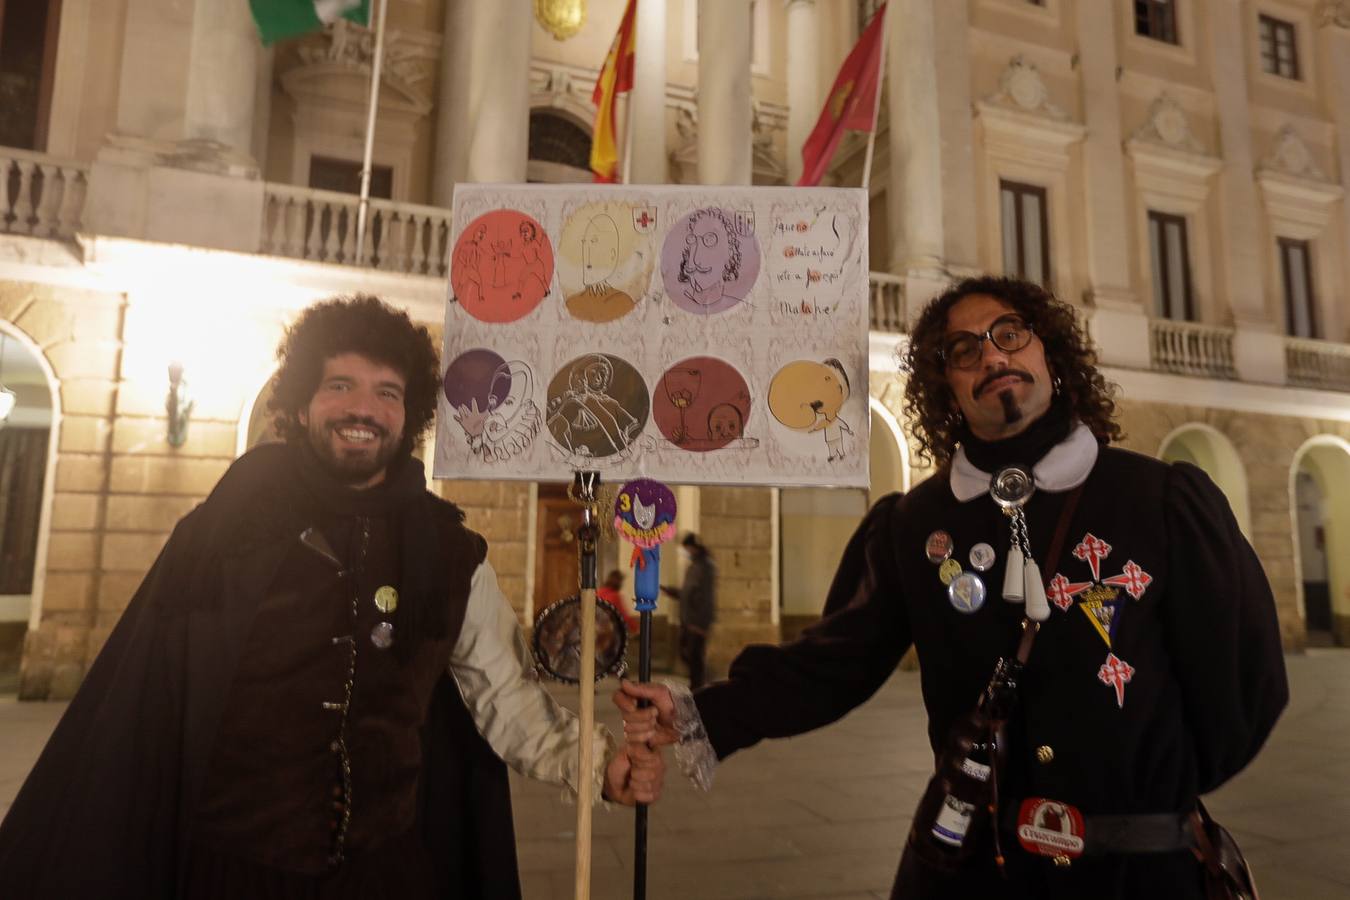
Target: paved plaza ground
<point x="823" y="817"/>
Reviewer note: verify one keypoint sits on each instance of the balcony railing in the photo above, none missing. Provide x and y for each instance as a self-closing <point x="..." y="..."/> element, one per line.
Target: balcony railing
<point x="307" y="223"/>
<point x="1317" y="364"/>
<point x="1188" y="348"/>
<point x="886" y="300"/>
<point x="40" y="195"/>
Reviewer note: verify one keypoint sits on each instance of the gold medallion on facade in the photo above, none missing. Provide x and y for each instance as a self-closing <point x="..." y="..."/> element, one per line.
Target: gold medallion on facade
<point x="560" y="18"/>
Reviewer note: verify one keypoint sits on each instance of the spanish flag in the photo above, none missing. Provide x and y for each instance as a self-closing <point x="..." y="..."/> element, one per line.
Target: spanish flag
<point x="852" y="102"/>
<point x="616" y="77"/>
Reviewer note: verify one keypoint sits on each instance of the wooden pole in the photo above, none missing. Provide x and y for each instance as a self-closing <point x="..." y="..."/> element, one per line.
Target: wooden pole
<point x="363" y="205"/>
<point x="587" y="538"/>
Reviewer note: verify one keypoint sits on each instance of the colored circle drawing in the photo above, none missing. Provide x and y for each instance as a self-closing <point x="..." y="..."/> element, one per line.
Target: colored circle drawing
<point x="606" y="254"/>
<point x="710" y="260"/>
<point x="502" y="266"/>
<point x="597" y="405"/>
<point x="701" y="404"/>
<point x="468" y="379"/>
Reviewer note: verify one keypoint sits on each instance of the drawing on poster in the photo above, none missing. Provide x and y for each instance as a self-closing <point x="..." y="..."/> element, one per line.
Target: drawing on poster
<point x="710" y="260"/>
<point x="807" y="396"/>
<point x="684" y="333"/>
<point x="597" y="406"/>
<point x="491" y="400"/>
<point x="701" y="404"/>
<point x="502" y="266"/>
<point x="606" y="256"/>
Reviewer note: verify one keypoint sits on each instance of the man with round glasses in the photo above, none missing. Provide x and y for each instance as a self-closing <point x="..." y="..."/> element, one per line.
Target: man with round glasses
<point x="1130" y="623"/>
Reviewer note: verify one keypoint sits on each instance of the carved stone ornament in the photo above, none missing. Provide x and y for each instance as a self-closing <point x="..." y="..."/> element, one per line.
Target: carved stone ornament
<point x="406" y="60"/>
<point x="1290" y="156"/>
<point x="1334" y="12"/>
<point x="1021" y="87"/>
<point x="1168" y="125"/>
<point x="560" y="18"/>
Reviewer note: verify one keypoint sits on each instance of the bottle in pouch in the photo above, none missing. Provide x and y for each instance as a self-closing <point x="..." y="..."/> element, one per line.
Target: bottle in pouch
<point x="955" y="810"/>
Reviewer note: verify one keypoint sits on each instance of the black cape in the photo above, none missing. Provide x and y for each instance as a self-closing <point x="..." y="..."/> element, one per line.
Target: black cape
<point x="107" y="809"/>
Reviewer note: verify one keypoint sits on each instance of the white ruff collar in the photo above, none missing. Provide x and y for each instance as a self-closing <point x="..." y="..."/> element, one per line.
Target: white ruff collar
<point x="1065" y="467"/>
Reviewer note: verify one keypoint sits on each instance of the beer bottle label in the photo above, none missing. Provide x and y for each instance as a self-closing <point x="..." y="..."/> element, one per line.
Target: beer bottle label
<point x="953" y="821"/>
<point x="978" y="771"/>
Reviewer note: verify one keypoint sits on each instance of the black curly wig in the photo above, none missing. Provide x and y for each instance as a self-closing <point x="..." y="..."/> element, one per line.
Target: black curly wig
<point x="929" y="405"/>
<point x="359" y="324"/>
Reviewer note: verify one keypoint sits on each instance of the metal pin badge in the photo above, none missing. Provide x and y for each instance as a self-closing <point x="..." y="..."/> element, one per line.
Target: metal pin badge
<point x="966" y="592"/>
<point x="949" y="569"/>
<point x="938" y="547"/>
<point x="386" y="599"/>
<point x="981" y="557"/>
<point x="382" y="635"/>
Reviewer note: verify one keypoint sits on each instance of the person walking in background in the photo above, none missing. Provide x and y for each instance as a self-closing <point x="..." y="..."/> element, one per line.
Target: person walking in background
<point x="612" y="593"/>
<point x="698" y="606"/>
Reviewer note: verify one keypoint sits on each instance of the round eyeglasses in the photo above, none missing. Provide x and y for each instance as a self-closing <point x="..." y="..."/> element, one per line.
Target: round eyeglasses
<point x="963" y="350"/>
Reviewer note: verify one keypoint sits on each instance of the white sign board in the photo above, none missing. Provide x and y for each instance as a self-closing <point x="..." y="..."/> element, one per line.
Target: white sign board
<point x="693" y="335"/>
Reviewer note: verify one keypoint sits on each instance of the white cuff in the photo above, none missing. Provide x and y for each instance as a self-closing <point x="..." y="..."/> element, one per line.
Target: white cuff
<point x="694" y="753"/>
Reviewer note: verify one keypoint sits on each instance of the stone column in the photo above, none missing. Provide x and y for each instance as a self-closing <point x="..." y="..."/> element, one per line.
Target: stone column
<point x="931" y="202"/>
<point x="222" y="76"/>
<point x="725" y="121"/>
<point x="647" y="102"/>
<point x="156" y="64"/>
<point x="803" y="79"/>
<point x="1105" y="202"/>
<point x="483" y="121"/>
<point x="1334" y="46"/>
<point x="1240" y="237"/>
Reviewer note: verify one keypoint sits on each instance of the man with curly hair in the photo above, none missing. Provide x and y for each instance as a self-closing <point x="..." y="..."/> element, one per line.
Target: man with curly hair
<point x="314" y="689"/>
<point x="1145" y="662"/>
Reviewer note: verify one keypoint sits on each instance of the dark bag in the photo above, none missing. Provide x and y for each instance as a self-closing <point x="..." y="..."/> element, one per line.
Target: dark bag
<point x="1227" y="875"/>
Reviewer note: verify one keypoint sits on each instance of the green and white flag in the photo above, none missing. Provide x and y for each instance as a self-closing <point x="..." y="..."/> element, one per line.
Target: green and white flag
<point x="281" y="19"/>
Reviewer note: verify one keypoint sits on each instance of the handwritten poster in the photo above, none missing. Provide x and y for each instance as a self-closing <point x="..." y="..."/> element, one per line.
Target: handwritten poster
<point x="693" y="335"/>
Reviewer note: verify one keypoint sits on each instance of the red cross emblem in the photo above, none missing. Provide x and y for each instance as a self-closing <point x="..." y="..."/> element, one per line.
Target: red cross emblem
<point x="644" y="220"/>
<point x="1092" y="550"/>
<point x="1115" y="672"/>
<point x="1062" y="590"/>
<point x="1133" y="579"/>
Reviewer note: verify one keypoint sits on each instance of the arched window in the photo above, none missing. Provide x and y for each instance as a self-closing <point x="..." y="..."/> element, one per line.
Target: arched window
<point x="560" y="149"/>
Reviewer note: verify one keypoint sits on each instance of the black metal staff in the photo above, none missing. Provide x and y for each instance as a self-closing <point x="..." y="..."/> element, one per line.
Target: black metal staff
<point x="644" y="513"/>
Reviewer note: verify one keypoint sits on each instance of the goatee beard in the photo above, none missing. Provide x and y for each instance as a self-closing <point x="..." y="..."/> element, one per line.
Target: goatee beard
<point x="1012" y="413"/>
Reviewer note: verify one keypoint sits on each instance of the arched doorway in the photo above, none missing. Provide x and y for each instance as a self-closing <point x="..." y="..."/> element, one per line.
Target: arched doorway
<point x="1319" y="487"/>
<point x="1209" y="449"/>
<point x="816" y="523"/>
<point x="26" y="475"/>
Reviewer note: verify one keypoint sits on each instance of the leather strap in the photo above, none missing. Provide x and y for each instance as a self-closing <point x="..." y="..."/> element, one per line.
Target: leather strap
<point x="1029" y="628"/>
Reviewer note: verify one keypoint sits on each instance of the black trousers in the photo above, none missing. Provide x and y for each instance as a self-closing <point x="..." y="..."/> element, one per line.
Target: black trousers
<point x="693" y="649"/>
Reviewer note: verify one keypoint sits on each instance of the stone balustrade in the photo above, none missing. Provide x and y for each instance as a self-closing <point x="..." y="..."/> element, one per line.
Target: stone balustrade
<point x="1317" y="364"/>
<point x="40" y="195"/>
<point x="307" y="223"/>
<point x="1190" y="348"/>
<point x="886" y="302"/>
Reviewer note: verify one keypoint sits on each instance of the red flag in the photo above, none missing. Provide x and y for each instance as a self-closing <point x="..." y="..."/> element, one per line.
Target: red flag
<point x="616" y="77"/>
<point x="852" y="102"/>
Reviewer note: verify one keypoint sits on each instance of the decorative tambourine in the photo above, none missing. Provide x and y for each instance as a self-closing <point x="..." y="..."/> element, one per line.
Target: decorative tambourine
<point x="557" y="641"/>
<point x="644" y="515"/>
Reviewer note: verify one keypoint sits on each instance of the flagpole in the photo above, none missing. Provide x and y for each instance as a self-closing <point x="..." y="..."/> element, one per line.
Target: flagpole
<point x="876" y="101"/>
<point x="363" y="208"/>
<point x="628" y="117"/>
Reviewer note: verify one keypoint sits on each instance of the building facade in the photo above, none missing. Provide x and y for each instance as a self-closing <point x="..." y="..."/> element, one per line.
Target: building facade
<point x="174" y="193"/>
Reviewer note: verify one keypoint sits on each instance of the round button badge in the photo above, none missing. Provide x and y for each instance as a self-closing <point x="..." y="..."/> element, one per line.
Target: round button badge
<point x="981" y="557"/>
<point x="966" y="592"/>
<point x="938" y="547"/>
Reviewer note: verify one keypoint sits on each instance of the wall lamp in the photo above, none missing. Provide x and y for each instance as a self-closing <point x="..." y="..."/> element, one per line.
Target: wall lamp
<point x="178" y="405"/>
